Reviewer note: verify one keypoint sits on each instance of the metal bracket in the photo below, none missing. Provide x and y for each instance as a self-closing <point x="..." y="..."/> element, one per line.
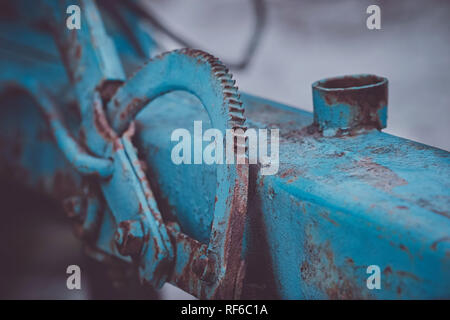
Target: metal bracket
<point x="212" y="270"/>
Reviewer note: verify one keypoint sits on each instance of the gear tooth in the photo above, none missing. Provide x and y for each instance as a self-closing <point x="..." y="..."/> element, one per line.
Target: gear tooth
<point x="230" y="91"/>
<point x="228" y="82"/>
<point x="220" y="68"/>
<point x="235" y="101"/>
<point x="221" y="74"/>
<point x="237" y="117"/>
<point x="235" y="109"/>
<point x="211" y="59"/>
<point x="239" y="112"/>
<point x="243" y="127"/>
<point x="239" y="120"/>
<point x="217" y="64"/>
<point x="230" y="95"/>
<point x="220" y="65"/>
<point x="231" y="88"/>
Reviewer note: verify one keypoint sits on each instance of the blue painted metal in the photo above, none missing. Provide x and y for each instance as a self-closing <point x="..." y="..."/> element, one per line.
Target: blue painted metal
<point x="221" y="100"/>
<point x="337" y="205"/>
<point x="346" y="196"/>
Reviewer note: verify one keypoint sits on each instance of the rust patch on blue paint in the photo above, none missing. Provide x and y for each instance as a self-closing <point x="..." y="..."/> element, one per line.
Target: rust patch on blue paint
<point x="374" y="174"/>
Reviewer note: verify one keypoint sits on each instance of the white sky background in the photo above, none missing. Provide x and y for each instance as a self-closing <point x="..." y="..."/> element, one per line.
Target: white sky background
<point x="307" y="40"/>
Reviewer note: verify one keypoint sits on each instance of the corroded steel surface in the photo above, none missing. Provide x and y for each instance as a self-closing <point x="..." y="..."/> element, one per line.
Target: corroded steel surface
<point x="341" y="200"/>
<point x="350" y="104"/>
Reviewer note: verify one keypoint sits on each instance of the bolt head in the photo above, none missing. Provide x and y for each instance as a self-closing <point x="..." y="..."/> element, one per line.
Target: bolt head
<point x="129" y="238"/>
<point x="74" y="208"/>
<point x="205" y="267"/>
<point x="119" y="236"/>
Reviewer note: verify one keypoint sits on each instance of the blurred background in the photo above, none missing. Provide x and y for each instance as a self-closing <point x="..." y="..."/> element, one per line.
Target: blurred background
<point x="296" y="43"/>
<point x="305" y="40"/>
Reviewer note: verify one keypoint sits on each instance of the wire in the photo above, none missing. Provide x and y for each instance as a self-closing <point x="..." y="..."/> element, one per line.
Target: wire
<point x="260" y="12"/>
<point x="116" y="14"/>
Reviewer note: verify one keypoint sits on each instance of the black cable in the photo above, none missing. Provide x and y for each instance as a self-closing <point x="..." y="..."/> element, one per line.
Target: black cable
<point x="260" y="22"/>
<point x="113" y="8"/>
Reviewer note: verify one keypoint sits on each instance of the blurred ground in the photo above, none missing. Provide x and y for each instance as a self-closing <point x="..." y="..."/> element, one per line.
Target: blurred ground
<point x="37" y="244"/>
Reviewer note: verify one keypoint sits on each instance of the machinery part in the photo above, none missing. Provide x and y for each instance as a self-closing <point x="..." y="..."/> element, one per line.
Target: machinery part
<point x="162" y="74"/>
<point x="337" y="205"/>
<point x="350" y="104"/>
<point x="96" y="75"/>
<point x="207" y="78"/>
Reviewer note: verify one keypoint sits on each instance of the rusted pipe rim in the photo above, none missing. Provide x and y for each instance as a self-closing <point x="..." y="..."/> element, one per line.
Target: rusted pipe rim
<point x="350" y="82"/>
<point x="350" y="104"/>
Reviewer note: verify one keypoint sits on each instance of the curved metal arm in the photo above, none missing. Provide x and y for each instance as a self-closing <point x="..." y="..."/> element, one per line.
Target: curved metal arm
<point x="77" y="156"/>
<point x="207" y="78"/>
